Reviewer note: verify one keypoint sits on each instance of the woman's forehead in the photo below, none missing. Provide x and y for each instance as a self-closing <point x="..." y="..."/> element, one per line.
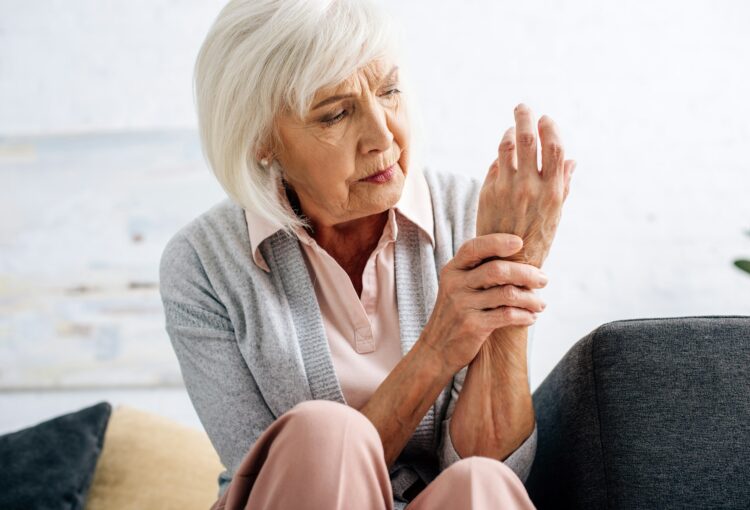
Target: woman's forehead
<point x="374" y="73"/>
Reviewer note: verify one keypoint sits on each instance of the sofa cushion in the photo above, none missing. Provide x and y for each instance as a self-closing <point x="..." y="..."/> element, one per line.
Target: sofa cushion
<point x="647" y="413"/>
<point x="150" y="461"/>
<point x="51" y="465"/>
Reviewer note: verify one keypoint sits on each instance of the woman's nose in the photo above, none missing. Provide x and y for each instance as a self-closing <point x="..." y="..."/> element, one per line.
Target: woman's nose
<point x="376" y="134"/>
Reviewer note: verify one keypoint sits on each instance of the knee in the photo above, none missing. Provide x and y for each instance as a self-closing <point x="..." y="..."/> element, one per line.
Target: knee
<point x="327" y="420"/>
<point x="484" y="480"/>
<point x="325" y="411"/>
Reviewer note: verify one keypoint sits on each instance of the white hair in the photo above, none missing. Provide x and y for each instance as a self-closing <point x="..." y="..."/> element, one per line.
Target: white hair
<point x="262" y="56"/>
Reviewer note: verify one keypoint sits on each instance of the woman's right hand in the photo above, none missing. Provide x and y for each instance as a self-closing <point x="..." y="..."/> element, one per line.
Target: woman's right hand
<point x="475" y="298"/>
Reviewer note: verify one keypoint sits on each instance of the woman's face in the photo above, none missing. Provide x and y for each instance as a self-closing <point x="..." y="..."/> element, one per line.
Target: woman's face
<point x="353" y="130"/>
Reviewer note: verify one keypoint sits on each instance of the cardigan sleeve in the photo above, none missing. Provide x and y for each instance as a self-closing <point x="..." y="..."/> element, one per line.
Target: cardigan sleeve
<point x="217" y="379"/>
<point x="519" y="461"/>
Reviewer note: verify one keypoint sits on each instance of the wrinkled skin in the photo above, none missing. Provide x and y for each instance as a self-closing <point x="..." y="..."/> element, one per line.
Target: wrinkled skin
<point x="475" y="299"/>
<point x="517" y="198"/>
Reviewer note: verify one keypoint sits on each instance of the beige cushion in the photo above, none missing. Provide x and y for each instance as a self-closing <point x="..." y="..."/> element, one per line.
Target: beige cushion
<point x="149" y="461"/>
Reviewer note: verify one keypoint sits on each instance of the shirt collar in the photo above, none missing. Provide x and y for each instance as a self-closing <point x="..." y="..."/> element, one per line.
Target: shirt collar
<point x="415" y="204"/>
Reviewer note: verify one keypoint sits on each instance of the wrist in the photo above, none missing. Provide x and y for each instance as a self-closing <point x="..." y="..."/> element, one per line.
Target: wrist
<point x="502" y="366"/>
<point x="432" y="360"/>
<point x="507" y="348"/>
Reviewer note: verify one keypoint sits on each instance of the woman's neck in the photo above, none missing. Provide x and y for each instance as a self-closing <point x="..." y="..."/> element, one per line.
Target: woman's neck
<point x="352" y="239"/>
<point x="349" y="243"/>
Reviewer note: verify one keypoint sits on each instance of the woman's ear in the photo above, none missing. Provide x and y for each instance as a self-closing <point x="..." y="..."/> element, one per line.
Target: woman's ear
<point x="264" y="156"/>
<point x="267" y="152"/>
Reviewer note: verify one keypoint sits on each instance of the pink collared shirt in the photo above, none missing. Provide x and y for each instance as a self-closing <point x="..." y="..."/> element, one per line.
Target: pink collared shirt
<point x="363" y="331"/>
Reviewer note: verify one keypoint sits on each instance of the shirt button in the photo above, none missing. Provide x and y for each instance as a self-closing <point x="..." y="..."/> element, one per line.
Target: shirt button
<point x="363" y="341"/>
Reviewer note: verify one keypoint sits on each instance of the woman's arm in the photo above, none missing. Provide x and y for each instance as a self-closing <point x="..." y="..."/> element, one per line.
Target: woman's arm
<point x="222" y="390"/>
<point x="494" y="414"/>
<point x="401" y="401"/>
<point x="467" y="309"/>
<point x="403" y="398"/>
<point x="520" y="461"/>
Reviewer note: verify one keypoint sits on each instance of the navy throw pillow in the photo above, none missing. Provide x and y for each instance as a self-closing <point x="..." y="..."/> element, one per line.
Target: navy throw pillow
<point x="51" y="465"/>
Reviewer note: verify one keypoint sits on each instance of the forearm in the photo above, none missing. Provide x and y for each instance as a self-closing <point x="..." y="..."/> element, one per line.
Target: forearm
<point x="402" y="399"/>
<point x="494" y="413"/>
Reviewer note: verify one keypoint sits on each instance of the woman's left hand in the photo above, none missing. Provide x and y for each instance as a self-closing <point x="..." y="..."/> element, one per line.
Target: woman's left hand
<point x="516" y="198"/>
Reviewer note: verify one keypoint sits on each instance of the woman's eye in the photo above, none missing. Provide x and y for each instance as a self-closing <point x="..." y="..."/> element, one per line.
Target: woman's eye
<point x="333" y="120"/>
<point x="330" y="121"/>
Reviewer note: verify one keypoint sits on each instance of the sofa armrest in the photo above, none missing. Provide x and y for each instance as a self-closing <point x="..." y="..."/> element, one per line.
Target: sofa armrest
<point x="647" y="413"/>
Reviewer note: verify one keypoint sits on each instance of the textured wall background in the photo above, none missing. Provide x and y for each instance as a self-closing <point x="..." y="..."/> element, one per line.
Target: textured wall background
<point x="99" y="164"/>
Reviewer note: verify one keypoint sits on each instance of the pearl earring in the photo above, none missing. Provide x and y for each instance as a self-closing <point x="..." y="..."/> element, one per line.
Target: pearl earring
<point x="264" y="162"/>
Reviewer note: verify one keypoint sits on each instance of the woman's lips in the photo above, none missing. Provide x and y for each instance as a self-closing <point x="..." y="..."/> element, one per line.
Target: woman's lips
<point x="381" y="177"/>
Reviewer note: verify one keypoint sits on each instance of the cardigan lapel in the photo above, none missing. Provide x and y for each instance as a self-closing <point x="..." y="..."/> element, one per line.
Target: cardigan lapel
<point x="415" y="282"/>
<point x="309" y="337"/>
<point x="416" y="290"/>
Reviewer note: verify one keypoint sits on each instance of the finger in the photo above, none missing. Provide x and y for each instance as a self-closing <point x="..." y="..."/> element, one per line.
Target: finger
<point x="503" y="272"/>
<point x="570" y="166"/>
<point x="508" y="316"/>
<point x="506" y="153"/>
<point x="553" y="153"/>
<point x="475" y="250"/>
<point x="492" y="173"/>
<point x="526" y="141"/>
<point x="508" y="295"/>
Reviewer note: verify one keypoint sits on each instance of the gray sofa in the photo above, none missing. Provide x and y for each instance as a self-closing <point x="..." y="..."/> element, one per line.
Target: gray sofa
<point x="647" y="413"/>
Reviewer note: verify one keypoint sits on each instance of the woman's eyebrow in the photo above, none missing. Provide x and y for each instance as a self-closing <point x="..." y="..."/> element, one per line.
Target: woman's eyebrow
<point x="339" y="97"/>
<point x="331" y="99"/>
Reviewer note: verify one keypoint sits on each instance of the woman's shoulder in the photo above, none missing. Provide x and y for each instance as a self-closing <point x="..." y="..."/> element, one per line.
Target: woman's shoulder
<point x="205" y="246"/>
<point x="221" y="226"/>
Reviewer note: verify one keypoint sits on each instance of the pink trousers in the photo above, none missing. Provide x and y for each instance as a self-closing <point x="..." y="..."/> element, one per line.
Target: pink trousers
<point x="324" y="455"/>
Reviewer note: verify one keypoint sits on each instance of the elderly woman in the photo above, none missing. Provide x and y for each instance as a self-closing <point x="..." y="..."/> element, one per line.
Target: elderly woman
<point x="352" y="328"/>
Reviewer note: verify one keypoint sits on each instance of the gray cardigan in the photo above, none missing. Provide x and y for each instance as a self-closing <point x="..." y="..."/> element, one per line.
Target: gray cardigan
<point x="252" y="344"/>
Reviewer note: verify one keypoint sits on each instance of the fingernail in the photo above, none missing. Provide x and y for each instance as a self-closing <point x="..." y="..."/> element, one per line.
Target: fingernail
<point x="573" y="168"/>
<point x="543" y="278"/>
